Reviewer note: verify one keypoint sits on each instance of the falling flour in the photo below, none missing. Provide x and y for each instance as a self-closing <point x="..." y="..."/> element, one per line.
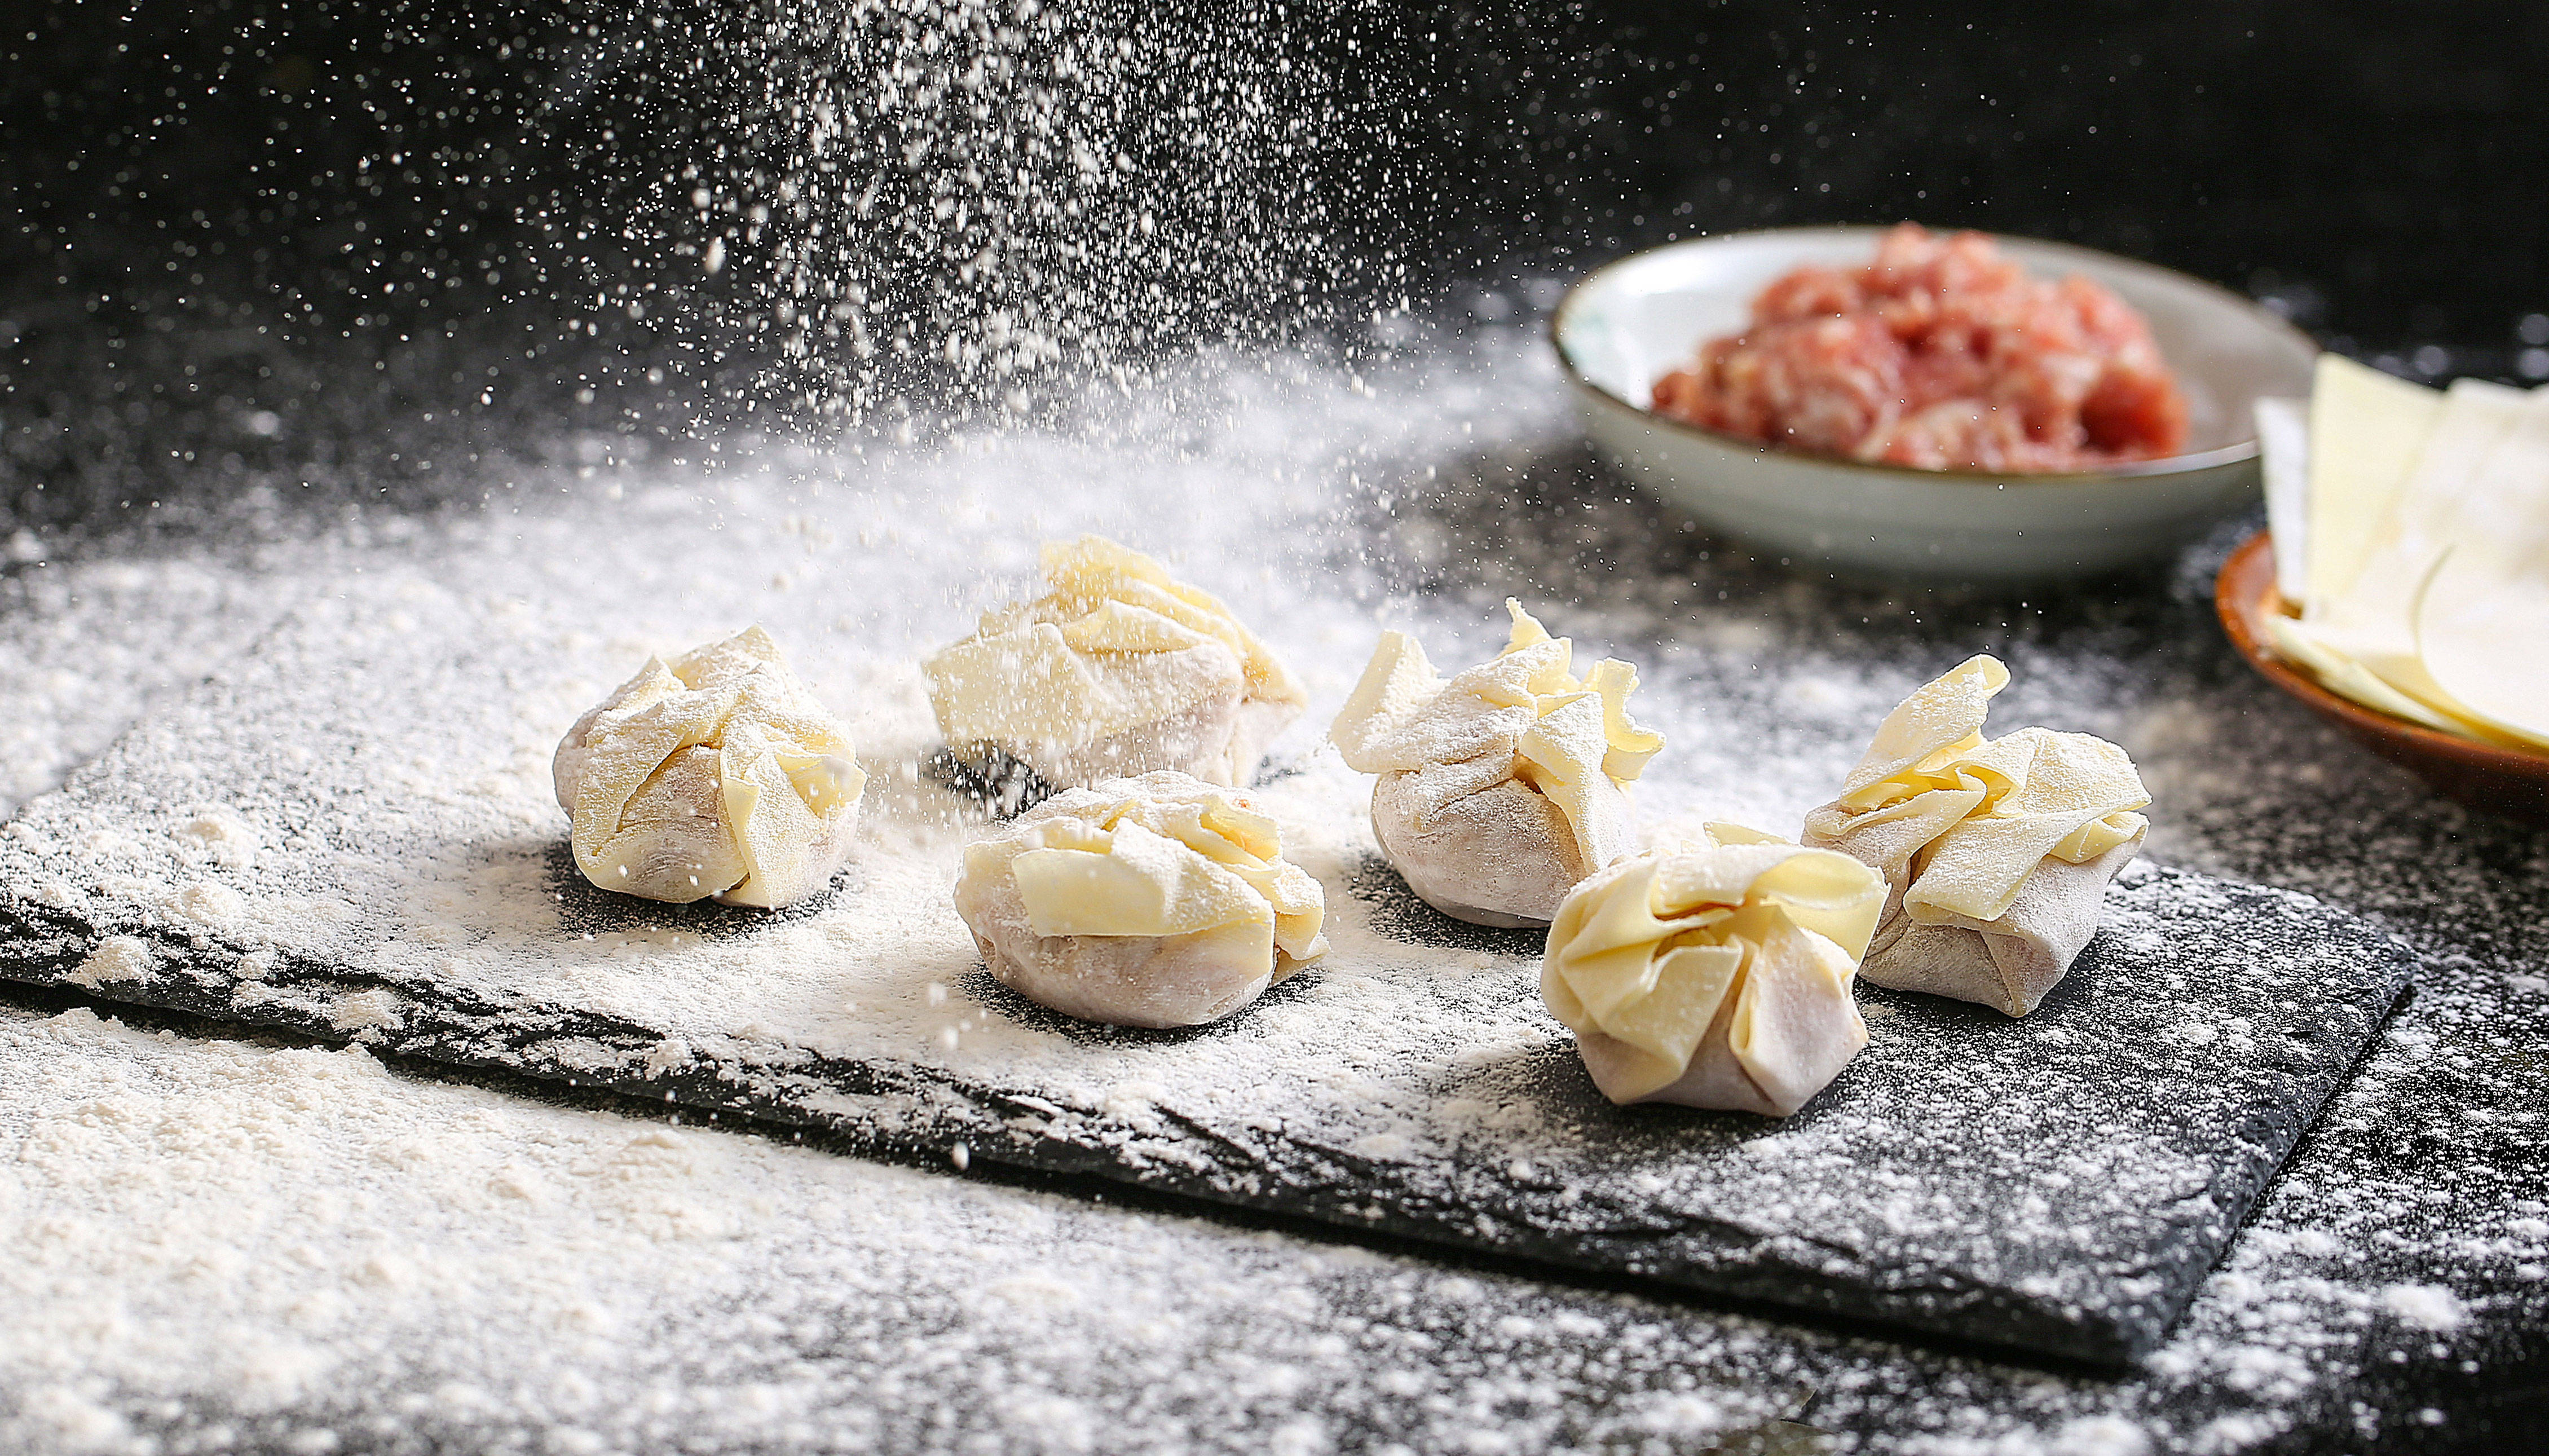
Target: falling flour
<point x="990" y="204"/>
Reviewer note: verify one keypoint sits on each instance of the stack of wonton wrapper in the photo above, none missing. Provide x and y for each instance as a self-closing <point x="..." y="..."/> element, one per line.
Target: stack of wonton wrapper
<point x="2411" y="532"/>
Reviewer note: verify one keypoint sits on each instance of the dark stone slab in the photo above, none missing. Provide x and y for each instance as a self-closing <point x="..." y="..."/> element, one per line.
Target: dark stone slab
<point x="2059" y="1184"/>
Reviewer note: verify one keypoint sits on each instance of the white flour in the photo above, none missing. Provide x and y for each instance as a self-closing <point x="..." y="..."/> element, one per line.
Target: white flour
<point x="89" y="645"/>
<point x="371" y="791"/>
<point x="276" y="1245"/>
<point x="217" y="1244"/>
<point x="994" y="206"/>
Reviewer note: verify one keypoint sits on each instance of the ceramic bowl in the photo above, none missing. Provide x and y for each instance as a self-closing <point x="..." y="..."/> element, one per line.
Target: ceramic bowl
<point x="2499" y="781"/>
<point x="1626" y="325"/>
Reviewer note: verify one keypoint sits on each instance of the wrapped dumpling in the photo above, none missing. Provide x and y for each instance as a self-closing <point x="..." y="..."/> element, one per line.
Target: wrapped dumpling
<point x="1157" y="901"/>
<point x="714" y="775"/>
<point x="1118" y="670"/>
<point x="1501" y="787"/>
<point x="1715" y="974"/>
<point x="1996" y="852"/>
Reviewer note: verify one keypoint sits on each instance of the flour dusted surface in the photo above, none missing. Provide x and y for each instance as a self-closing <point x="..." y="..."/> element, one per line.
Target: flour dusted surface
<point x="90" y="645"/>
<point x="2303" y="1305"/>
<point x="387" y="748"/>
<point x="217" y="1245"/>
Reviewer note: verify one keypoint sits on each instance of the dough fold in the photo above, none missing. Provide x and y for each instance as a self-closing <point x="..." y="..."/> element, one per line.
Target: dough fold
<point x="1117" y="670"/>
<point x="1157" y="901"/>
<point x="1996" y="852"/>
<point x="717" y="774"/>
<point x="1502" y="787"/>
<point x="1715" y="974"/>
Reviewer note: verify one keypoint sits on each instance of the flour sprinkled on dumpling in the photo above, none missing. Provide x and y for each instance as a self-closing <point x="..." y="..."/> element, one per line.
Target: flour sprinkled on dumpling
<point x="716" y="775"/>
<point x="1502" y="787"/>
<point x="1117" y="670"/>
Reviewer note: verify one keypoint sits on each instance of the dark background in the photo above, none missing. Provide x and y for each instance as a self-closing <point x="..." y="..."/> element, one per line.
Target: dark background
<point x="264" y="262"/>
<point x="260" y="252"/>
<point x="2378" y="174"/>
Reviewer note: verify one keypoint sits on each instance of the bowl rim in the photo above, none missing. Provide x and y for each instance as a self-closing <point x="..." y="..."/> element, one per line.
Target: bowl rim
<point x="2232" y="454"/>
<point x="2241" y="608"/>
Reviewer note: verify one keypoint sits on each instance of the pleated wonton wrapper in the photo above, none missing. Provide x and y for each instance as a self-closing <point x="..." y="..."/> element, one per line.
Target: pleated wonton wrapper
<point x="1117" y="670"/>
<point x="716" y="774"/>
<point x="1715" y="974"/>
<point x="1996" y="854"/>
<point x="1500" y="787"/>
<point x="1157" y="901"/>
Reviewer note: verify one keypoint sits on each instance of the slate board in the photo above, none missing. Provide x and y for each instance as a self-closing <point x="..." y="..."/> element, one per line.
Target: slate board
<point x="2059" y="1184"/>
<point x="2306" y="986"/>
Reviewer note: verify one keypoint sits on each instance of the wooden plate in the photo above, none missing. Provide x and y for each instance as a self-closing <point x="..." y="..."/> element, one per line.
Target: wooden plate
<point x="2499" y="781"/>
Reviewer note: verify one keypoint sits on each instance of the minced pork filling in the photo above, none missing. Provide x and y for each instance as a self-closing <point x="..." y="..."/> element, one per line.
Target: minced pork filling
<point x="1938" y="353"/>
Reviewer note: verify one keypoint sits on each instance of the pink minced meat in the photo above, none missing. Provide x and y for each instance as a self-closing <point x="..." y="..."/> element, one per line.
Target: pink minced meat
<point x="1939" y="354"/>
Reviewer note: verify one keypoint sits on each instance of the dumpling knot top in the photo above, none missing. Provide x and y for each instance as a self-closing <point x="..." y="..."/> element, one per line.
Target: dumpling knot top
<point x="1157" y="901"/>
<point x="1996" y="854"/>
<point x="1500" y="787"/>
<point x="1117" y="670"/>
<point x="1715" y="974"/>
<point x="716" y="774"/>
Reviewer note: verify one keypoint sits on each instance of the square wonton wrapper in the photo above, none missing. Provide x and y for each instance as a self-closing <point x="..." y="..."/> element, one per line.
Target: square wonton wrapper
<point x="1996" y="854"/>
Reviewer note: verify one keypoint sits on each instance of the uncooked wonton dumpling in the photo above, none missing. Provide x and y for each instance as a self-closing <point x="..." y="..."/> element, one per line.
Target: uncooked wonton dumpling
<point x="1996" y="852"/>
<point x="1117" y="670"/>
<point x="1715" y="974"/>
<point x="1157" y="901"/>
<point x="716" y="774"/>
<point x="1500" y="787"/>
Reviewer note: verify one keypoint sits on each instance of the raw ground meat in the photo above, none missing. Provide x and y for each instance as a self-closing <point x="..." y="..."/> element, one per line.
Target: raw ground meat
<point x="1940" y="354"/>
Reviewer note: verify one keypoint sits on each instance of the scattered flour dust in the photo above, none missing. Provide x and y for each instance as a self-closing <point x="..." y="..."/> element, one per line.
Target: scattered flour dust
<point x="89" y="646"/>
<point x="219" y="1245"/>
<point x="292" y="1244"/>
<point x="286" y="1242"/>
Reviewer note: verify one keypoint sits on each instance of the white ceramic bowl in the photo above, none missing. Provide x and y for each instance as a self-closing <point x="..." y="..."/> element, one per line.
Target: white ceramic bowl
<point x="1631" y="321"/>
